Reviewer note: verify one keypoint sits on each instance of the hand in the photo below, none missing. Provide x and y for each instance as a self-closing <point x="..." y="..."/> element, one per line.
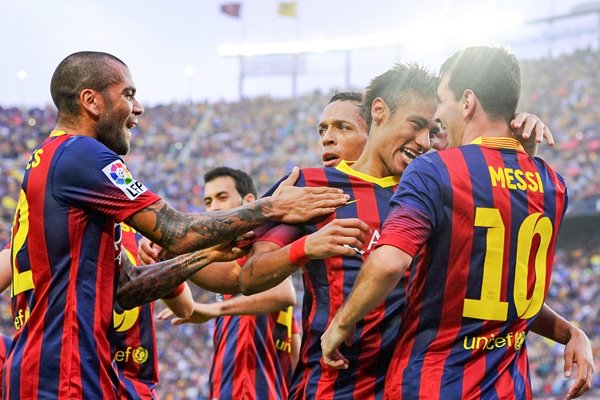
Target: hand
<point x="530" y="131"/>
<point x="165" y="314"/>
<point x="578" y="350"/>
<point x="331" y="340"/>
<point x="291" y="204"/>
<point x="226" y="251"/>
<point x="343" y="237"/>
<point x="148" y="252"/>
<point x="202" y="313"/>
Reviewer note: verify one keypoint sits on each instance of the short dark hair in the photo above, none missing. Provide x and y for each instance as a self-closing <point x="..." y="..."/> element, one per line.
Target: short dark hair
<point x="79" y="71"/>
<point x="394" y="85"/>
<point x="492" y="73"/>
<point x="243" y="182"/>
<point x="346" y="96"/>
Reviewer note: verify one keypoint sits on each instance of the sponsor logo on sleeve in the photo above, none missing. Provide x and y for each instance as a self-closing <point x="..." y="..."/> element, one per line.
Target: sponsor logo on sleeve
<point x="120" y="176"/>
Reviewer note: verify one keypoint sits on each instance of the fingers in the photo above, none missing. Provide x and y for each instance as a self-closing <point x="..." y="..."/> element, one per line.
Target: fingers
<point x="289" y="181"/>
<point x="147" y="254"/>
<point x="337" y="360"/>
<point x="164" y="314"/>
<point x="177" y="321"/>
<point x="516" y="123"/>
<point x="568" y="367"/>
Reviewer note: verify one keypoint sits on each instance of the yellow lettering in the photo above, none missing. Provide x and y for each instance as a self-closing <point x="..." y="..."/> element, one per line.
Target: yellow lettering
<point x="499" y="342"/>
<point x="496" y="176"/>
<point x="285" y="318"/>
<point x="520" y="181"/>
<point x="21" y="281"/>
<point x="469" y="347"/>
<point x="533" y="186"/>
<point x="34" y="160"/>
<point x="539" y="179"/>
<point x="509" y="178"/>
<point x="479" y="340"/>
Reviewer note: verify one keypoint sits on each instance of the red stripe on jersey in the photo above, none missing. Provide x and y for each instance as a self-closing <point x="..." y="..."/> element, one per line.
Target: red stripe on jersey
<point x="70" y="334"/>
<point x="459" y="253"/>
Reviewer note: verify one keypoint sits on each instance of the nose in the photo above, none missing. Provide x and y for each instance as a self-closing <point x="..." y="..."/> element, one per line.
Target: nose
<point x="328" y="137"/>
<point x="423" y="140"/>
<point x="138" y="109"/>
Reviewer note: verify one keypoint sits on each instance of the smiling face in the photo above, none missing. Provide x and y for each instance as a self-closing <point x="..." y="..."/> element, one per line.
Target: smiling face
<point x="343" y="132"/>
<point x="449" y="112"/>
<point x="119" y="112"/>
<point x="404" y="135"/>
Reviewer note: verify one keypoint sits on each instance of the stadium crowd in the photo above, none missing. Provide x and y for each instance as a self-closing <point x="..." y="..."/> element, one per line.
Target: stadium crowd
<point x="176" y="143"/>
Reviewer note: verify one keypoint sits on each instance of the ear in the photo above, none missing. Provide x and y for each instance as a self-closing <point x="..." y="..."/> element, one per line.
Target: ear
<point x="469" y="103"/>
<point x="90" y="101"/>
<point x="378" y="110"/>
<point x="248" y="198"/>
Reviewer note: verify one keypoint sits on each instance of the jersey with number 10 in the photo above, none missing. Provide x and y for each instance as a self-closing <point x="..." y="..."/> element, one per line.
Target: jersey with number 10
<point x="481" y="221"/>
<point x="65" y="257"/>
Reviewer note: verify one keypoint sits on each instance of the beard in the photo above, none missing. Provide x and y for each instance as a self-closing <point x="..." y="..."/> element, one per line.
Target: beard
<point x="110" y="132"/>
<point x="112" y="136"/>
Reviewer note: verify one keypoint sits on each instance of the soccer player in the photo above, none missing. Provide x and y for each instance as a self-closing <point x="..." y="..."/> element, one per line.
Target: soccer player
<point x="342" y="135"/>
<point x="65" y="262"/>
<point x="402" y="105"/>
<point x="477" y="225"/>
<point x="253" y="338"/>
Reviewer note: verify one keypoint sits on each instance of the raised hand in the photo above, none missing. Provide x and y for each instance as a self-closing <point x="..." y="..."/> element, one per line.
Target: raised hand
<point x="291" y="204"/>
<point x="343" y="237"/>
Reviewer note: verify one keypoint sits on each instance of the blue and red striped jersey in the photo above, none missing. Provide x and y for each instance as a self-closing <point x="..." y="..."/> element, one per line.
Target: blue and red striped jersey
<point x="65" y="257"/>
<point x="246" y="363"/>
<point x="135" y="337"/>
<point x="328" y="282"/>
<point x="286" y="327"/>
<point x="481" y="221"/>
<point x="5" y="343"/>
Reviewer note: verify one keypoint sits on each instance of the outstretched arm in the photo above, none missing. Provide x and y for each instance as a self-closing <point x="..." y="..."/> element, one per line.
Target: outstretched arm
<point x="142" y="284"/>
<point x="180" y="233"/>
<point x="269" y="264"/>
<point x="378" y="277"/>
<point x="272" y="300"/>
<point x="578" y="349"/>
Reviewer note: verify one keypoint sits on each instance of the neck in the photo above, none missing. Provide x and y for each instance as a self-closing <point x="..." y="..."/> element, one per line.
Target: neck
<point x="370" y="163"/>
<point x="74" y="129"/>
<point x="485" y="128"/>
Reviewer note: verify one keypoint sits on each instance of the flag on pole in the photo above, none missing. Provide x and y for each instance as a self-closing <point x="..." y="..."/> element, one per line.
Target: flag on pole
<point x="287" y="8"/>
<point x="231" y="9"/>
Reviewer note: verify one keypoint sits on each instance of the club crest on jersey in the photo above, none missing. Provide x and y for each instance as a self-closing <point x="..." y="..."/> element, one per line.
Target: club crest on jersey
<point x="120" y="176"/>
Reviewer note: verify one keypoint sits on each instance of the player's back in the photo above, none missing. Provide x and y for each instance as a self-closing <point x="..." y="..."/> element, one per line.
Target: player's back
<point x="482" y="276"/>
<point x="246" y="364"/>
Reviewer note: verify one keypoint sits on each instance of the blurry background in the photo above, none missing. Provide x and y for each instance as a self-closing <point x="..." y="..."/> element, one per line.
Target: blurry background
<point x="242" y="84"/>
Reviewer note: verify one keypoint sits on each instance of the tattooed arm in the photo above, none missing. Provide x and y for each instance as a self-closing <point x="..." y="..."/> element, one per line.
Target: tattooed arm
<point x="143" y="284"/>
<point x="180" y="233"/>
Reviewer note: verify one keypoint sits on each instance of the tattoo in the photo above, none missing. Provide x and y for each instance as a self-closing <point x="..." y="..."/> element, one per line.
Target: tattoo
<point x="143" y="284"/>
<point x="188" y="232"/>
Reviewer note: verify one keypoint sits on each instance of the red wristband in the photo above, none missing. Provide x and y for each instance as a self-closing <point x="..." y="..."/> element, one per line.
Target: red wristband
<point x="297" y="255"/>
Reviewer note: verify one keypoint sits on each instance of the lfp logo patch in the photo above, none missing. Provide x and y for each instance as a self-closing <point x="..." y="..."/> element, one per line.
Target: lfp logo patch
<point x="120" y="176"/>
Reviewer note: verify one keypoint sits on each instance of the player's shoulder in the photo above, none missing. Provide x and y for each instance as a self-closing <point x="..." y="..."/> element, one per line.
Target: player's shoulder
<point x="79" y="151"/>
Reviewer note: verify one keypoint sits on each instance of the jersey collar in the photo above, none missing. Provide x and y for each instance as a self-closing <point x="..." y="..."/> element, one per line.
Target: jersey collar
<point x="385" y="182"/>
<point x="500" y="142"/>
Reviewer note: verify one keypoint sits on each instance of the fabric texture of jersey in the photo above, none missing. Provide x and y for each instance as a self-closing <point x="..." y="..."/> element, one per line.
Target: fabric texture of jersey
<point x="136" y="354"/>
<point x="483" y="220"/>
<point x="247" y="362"/>
<point x="65" y="262"/>
<point x="5" y="343"/>
<point x="328" y="282"/>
